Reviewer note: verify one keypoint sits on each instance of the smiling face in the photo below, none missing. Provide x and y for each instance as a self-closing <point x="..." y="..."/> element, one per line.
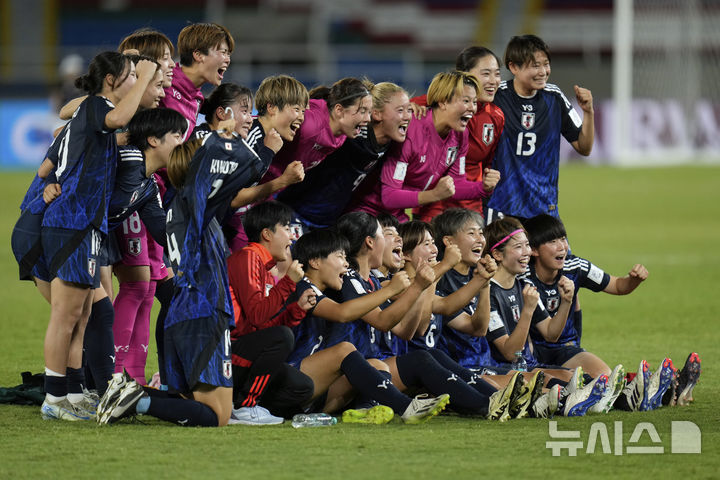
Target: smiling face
<point x="351" y="119"/>
<point x="551" y="255"/>
<point x="375" y="254"/>
<point x="471" y="241"/>
<point x="459" y="111"/>
<point x="154" y="91"/>
<point x="288" y="120"/>
<point x="391" y="123"/>
<point x="515" y="257"/>
<point x="392" y="255"/>
<point x="121" y="86"/>
<point x="242" y="112"/>
<point x="332" y="269"/>
<point x="487" y="71"/>
<point x="165" y="146"/>
<point x="279" y="241"/>
<point x="166" y="65"/>
<point x="215" y="63"/>
<point x="532" y="76"/>
<point x="425" y="251"/>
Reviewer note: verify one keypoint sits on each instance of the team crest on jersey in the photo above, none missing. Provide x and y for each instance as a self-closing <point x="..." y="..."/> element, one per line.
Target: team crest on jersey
<point x="296" y="231"/>
<point x="227" y="369"/>
<point x="553" y="303"/>
<point x="516" y="313"/>
<point x="488" y="134"/>
<point x="228" y="146"/>
<point x="451" y="154"/>
<point x="91" y="266"/>
<point x="527" y="120"/>
<point x="134" y="246"/>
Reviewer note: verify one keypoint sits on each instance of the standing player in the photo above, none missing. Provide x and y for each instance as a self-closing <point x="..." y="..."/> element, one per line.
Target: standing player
<point x="430" y="165"/>
<point x="327" y="189"/>
<point x="536" y="114"/>
<point x="484" y="127"/>
<point x="197" y="328"/>
<point x="204" y="50"/>
<point x="75" y="223"/>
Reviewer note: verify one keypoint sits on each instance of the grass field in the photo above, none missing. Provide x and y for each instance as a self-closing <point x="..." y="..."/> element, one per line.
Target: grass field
<point x="666" y="218"/>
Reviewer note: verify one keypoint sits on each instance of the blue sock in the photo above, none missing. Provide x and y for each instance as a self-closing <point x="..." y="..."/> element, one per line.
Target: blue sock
<point x="143" y="405"/>
<point x="187" y="413"/>
<point x="98" y="344"/>
<point x="472" y="379"/>
<point x="372" y="384"/>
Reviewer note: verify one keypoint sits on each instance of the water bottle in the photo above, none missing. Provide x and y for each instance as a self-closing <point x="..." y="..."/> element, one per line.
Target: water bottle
<point x="519" y="364"/>
<point x="313" y="420"/>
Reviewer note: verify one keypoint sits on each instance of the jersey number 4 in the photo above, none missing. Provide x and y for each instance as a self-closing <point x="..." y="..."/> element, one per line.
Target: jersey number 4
<point x="525" y="144"/>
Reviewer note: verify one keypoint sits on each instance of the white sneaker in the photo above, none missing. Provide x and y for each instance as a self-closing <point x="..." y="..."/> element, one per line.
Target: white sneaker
<point x="548" y="403"/>
<point x="423" y="407"/>
<point x="256" y="415"/>
<point x="635" y="393"/>
<point x="616" y="383"/>
<point x="85" y="408"/>
<point x="576" y="383"/>
<point x="62" y="410"/>
<point x="115" y="385"/>
<point x="578" y="403"/>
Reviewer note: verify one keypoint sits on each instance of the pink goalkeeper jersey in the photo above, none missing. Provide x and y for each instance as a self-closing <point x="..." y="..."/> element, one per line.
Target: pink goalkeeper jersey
<point x="184" y="97"/>
<point x="313" y="142"/>
<point x="418" y="165"/>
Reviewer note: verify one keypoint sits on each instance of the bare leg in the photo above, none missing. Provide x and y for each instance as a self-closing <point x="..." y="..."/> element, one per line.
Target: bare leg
<point x="591" y="364"/>
<point x="217" y="398"/>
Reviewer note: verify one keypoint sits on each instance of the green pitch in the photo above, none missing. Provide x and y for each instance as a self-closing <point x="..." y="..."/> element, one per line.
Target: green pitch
<point x="666" y="218"/>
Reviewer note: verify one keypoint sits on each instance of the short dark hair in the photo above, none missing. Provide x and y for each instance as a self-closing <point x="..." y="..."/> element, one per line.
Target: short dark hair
<point x="154" y="122"/>
<point x="320" y="243"/>
<point x="265" y="215"/>
<point x="355" y="227"/>
<point x="387" y="220"/>
<point x="544" y="228"/>
<point x="223" y="96"/>
<point x="450" y="222"/>
<point x="521" y="49"/>
<point x="412" y="234"/>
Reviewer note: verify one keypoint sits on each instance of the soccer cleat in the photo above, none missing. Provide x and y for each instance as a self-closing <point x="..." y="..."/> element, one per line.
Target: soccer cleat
<point x="256" y="415"/>
<point x="500" y="401"/>
<point x="92" y="397"/>
<point x="115" y="384"/>
<point x="530" y="393"/>
<point x="616" y="383"/>
<point x="85" y="408"/>
<point x="660" y="382"/>
<point x="548" y="403"/>
<point x="635" y="391"/>
<point x="124" y="407"/>
<point x="62" y="410"/>
<point x="578" y="403"/>
<point x="377" y="415"/>
<point x="574" y="384"/>
<point x="688" y="378"/>
<point x="424" y="407"/>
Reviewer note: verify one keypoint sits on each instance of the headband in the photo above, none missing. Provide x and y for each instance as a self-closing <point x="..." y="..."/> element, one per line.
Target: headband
<point x="506" y="238"/>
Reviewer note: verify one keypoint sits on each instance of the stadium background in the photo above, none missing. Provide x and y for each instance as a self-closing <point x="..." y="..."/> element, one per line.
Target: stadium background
<point x="655" y="61"/>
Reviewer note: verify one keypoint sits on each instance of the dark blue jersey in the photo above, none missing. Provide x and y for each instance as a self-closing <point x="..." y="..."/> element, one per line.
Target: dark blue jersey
<point x="33" y="196"/>
<point x="467" y="350"/>
<point x="365" y="338"/>
<point x="327" y="189"/>
<point x="505" y="308"/>
<point x="432" y="337"/>
<point x="87" y="153"/>
<point x="311" y="332"/>
<point x="584" y="275"/>
<point x="135" y="192"/>
<point x="528" y="153"/>
<point x="201" y="131"/>
<point x="196" y="245"/>
<point x="390" y="344"/>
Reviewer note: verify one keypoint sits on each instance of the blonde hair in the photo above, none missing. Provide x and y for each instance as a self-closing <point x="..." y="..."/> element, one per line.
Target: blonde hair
<point x="382" y="92"/>
<point x="446" y="85"/>
<point x="179" y="161"/>
<point x="280" y="90"/>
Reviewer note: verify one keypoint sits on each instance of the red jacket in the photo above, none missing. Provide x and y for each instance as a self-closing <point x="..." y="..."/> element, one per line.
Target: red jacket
<point x="259" y="301"/>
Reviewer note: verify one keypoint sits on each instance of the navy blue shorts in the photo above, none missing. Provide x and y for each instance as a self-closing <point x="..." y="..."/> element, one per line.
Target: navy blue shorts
<point x="556" y="356"/>
<point x="73" y="255"/>
<point x="198" y="351"/>
<point x="27" y="247"/>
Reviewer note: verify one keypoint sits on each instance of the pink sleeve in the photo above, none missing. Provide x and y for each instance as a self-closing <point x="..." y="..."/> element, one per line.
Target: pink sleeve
<point x="392" y="180"/>
<point x="464" y="188"/>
